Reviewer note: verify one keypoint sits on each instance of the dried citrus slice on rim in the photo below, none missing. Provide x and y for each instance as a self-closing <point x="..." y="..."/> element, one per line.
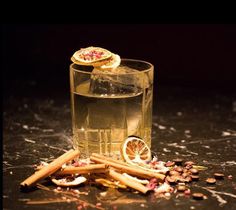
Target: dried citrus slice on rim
<point x="111" y="63"/>
<point x="95" y="56"/>
<point x="135" y="151"/>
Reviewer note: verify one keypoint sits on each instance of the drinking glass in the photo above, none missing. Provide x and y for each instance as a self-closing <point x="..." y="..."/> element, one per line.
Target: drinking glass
<point x="108" y="106"/>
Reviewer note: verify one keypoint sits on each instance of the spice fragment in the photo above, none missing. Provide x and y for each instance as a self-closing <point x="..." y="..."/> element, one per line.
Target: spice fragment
<point x="211" y="181"/>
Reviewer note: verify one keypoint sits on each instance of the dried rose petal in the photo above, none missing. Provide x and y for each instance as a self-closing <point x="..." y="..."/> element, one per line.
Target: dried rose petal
<point x="187" y="192"/>
<point x="230" y="177"/>
<point x="79" y="207"/>
<point x="152" y="184"/>
<point x="169" y="163"/>
<point x="98" y="204"/>
<point x="189" y="163"/>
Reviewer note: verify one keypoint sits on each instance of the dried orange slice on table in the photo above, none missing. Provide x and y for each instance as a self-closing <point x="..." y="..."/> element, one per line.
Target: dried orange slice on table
<point x="135" y="151"/>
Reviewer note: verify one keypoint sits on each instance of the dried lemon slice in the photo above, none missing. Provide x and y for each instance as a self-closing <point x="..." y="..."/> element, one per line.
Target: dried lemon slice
<point x="95" y="56"/>
<point x="111" y="63"/>
<point x="135" y="151"/>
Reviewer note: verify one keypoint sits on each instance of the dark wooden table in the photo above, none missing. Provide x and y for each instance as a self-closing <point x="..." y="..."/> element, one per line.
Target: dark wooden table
<point x="189" y="123"/>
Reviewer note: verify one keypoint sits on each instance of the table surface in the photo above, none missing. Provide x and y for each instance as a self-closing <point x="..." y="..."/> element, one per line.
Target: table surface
<point x="188" y="123"/>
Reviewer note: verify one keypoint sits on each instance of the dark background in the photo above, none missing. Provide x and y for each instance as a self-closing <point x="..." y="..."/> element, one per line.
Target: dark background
<point x="36" y="57"/>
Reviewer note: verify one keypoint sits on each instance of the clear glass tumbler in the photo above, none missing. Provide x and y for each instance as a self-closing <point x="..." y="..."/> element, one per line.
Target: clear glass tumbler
<point x="108" y="107"/>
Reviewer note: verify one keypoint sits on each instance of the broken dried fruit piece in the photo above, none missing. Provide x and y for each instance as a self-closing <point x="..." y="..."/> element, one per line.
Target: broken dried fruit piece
<point x="163" y="188"/>
<point x="65" y="182"/>
<point x="110" y="184"/>
<point x="111" y="63"/>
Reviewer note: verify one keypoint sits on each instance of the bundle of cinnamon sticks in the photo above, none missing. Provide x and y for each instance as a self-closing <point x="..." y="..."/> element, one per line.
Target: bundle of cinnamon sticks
<point x="112" y="168"/>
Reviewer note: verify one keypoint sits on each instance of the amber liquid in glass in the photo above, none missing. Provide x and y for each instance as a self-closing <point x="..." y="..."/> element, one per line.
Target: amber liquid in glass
<point x="102" y="121"/>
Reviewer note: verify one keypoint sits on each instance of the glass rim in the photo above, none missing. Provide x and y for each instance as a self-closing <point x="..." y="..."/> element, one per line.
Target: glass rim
<point x="151" y="68"/>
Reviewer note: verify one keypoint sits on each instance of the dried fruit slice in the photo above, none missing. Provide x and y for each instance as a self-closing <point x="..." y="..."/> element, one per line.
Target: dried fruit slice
<point x="111" y="63"/>
<point x="135" y="151"/>
<point x="110" y="184"/>
<point x="65" y="182"/>
<point x="95" y="56"/>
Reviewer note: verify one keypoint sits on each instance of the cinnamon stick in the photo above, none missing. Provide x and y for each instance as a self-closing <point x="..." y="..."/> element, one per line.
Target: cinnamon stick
<point x="110" y="159"/>
<point x="50" y="168"/>
<point x="127" y="181"/>
<point x="130" y="170"/>
<point x="95" y="168"/>
<point x="122" y="162"/>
